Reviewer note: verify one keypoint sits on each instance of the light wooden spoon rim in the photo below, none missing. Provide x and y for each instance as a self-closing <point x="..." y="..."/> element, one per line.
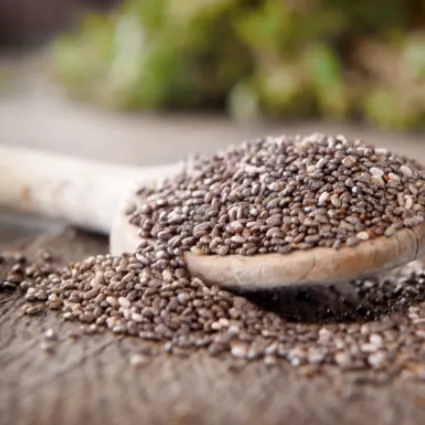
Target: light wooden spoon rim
<point x="314" y="266"/>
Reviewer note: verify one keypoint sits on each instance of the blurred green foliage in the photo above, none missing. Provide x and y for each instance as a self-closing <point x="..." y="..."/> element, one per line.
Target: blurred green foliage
<point x="333" y="59"/>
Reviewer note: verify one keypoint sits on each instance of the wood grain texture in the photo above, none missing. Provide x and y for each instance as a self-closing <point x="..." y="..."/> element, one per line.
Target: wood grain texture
<point x="91" y="382"/>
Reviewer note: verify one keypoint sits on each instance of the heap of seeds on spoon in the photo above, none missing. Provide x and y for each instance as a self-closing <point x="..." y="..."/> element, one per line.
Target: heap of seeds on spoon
<point x="273" y="195"/>
<point x="280" y="195"/>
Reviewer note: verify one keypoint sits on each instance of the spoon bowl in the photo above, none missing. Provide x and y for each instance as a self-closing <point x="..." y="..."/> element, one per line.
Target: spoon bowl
<point x="267" y="271"/>
<point x="96" y="196"/>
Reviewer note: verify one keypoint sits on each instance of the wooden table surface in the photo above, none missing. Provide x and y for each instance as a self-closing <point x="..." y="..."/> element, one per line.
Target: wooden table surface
<point x="90" y="381"/>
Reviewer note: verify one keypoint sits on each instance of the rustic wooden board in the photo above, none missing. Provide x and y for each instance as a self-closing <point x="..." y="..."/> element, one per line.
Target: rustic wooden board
<point x="90" y="381"/>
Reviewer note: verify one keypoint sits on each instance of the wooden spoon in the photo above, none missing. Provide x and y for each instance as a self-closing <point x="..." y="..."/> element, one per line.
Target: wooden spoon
<point x="95" y="196"/>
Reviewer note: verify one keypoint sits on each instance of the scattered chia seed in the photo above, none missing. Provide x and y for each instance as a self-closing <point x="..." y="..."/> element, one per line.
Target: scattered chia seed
<point x="274" y="195"/>
<point x="185" y="316"/>
<point x="47" y="347"/>
<point x="139" y="360"/>
<point x="51" y="334"/>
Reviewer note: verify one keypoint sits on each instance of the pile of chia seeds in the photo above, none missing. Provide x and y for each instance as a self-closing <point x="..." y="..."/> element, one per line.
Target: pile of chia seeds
<point x="283" y="194"/>
<point x="274" y="195"/>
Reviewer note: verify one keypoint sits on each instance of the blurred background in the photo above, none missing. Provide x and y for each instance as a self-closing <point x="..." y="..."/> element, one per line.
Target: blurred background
<point x="151" y="81"/>
<point x="80" y="75"/>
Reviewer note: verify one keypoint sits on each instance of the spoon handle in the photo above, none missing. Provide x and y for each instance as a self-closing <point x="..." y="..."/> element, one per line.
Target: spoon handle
<point x="83" y="193"/>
